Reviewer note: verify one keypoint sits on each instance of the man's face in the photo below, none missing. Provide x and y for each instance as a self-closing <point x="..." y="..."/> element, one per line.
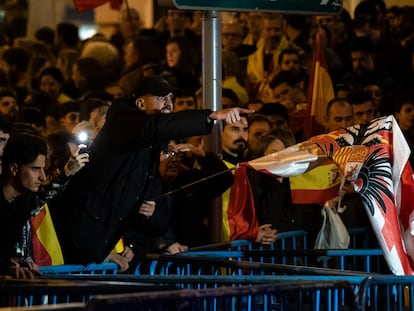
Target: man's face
<point x="362" y="62"/>
<point x="234" y="137"/>
<point x="4" y="137"/>
<point x="290" y="62"/>
<point x="376" y="92"/>
<point x="405" y="116"/>
<point x="170" y="165"/>
<point x="272" y="30"/>
<point x="152" y="104"/>
<point x="184" y="103"/>
<point x="364" y="113"/>
<point x="340" y="116"/>
<point x="8" y="106"/>
<point x="175" y="20"/>
<point x="326" y="20"/>
<point x="255" y="22"/>
<point x="231" y="35"/>
<point x="50" y="86"/>
<point x="256" y="130"/>
<point x="31" y="176"/>
<point x="281" y="92"/>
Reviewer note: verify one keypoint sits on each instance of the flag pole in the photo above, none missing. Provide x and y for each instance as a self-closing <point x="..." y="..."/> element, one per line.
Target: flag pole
<point x="166" y="194"/>
<point x="130" y="19"/>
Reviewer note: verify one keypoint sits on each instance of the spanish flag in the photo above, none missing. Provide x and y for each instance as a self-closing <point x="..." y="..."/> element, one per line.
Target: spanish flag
<point x="86" y="5"/>
<point x="46" y="247"/>
<point x="308" y="186"/>
<point x="225" y="200"/>
<point x="320" y="88"/>
<point x="316" y="186"/>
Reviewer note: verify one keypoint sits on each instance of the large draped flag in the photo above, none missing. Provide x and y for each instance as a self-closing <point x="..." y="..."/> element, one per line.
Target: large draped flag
<point x="384" y="181"/>
<point x="320" y="88"/>
<point x="374" y="157"/>
<point x="309" y="185"/>
<point x="86" y="5"/>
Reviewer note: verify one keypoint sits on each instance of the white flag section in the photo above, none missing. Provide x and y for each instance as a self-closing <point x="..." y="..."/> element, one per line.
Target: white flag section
<point x="292" y="161"/>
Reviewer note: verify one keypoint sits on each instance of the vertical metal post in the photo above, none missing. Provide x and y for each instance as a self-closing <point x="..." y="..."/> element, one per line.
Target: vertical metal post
<point x="212" y="78"/>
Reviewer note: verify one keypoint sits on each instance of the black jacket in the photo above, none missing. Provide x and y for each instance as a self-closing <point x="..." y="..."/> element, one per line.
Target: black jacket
<point x="191" y="204"/>
<point x="13" y="218"/>
<point x="91" y="214"/>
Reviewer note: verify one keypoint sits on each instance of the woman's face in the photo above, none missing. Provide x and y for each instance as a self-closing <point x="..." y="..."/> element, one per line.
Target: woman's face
<point x="406" y="116"/>
<point x="50" y="86"/>
<point x="274" y="146"/>
<point x="173" y="54"/>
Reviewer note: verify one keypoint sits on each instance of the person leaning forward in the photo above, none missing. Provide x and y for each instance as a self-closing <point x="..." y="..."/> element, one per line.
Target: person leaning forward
<point x="91" y="213"/>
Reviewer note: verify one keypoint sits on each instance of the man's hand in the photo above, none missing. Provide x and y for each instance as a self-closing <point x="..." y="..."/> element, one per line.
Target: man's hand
<point x="128" y="253"/>
<point x="147" y="208"/>
<point x="193" y="150"/>
<point x="121" y="261"/>
<point x="230" y="115"/>
<point x="176" y="248"/>
<point x="22" y="269"/>
<point x="266" y="234"/>
<point x="76" y="162"/>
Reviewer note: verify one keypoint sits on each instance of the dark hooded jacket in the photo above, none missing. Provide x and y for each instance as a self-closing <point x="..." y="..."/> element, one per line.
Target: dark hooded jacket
<point x="92" y="212"/>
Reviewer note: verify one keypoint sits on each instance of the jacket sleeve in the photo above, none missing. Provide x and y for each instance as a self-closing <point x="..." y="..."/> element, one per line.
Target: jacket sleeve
<point x="164" y="127"/>
<point x="218" y="178"/>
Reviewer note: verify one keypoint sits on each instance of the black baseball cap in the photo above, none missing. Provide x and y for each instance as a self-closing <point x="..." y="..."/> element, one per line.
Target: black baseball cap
<point x="153" y="85"/>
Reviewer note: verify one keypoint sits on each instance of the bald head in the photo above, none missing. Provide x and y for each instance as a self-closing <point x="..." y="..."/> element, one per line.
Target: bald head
<point x="338" y="115"/>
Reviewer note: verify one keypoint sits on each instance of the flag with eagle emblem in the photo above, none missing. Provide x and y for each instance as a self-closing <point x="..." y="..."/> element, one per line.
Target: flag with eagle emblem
<point x="374" y="157"/>
<point x="383" y="177"/>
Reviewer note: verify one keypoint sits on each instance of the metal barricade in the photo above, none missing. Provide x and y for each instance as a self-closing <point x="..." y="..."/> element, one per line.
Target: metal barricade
<point x="110" y="268"/>
<point x="283" y="295"/>
<point x="387" y="292"/>
<point x="27" y="293"/>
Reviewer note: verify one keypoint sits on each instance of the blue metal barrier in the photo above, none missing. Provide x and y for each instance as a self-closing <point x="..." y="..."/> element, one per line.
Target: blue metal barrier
<point x="102" y="268"/>
<point x="294" y="239"/>
<point x="366" y="260"/>
<point x="387" y="292"/>
<point x="27" y="293"/>
<point x="283" y="295"/>
<point x="186" y="264"/>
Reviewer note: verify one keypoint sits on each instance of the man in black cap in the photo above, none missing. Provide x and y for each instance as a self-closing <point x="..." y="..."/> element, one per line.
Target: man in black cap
<point x="122" y="180"/>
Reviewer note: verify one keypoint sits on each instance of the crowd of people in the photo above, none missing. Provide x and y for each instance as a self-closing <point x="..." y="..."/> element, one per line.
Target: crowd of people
<point x="110" y="133"/>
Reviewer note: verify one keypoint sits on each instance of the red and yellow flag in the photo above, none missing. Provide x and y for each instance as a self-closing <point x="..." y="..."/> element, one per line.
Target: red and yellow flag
<point x="320" y="88"/>
<point x="316" y="186"/>
<point x="46" y="247"/>
<point x="86" y="5"/>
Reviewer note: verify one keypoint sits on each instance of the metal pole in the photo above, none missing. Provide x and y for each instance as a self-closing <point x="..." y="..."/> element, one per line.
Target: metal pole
<point x="212" y="78"/>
